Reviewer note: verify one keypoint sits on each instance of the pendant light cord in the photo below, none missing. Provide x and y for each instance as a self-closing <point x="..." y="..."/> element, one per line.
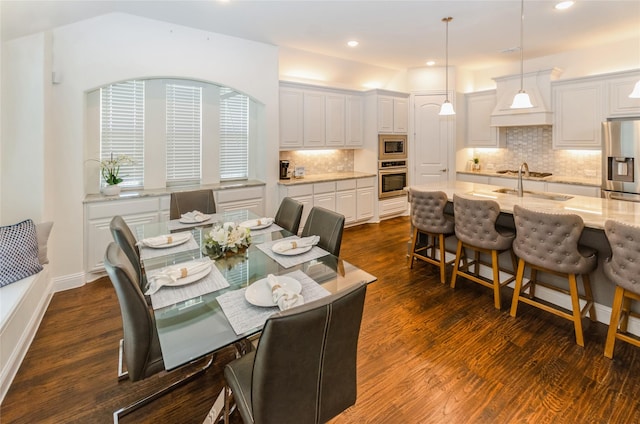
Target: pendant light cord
<point x="521" y="45"/>
<point x="446" y="55"/>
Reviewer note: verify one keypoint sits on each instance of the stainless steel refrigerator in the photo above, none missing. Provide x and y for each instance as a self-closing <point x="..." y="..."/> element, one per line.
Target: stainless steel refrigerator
<point x="620" y="159"/>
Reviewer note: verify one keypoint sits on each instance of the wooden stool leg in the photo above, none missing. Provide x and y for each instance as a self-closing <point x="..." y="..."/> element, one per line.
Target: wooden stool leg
<point x="613" y="322"/>
<point x="624" y="317"/>
<point x="575" y="305"/>
<point x="443" y="262"/>
<point x="454" y="274"/>
<point x="518" y="288"/>
<point x="496" y="279"/>
<point x="532" y="283"/>
<point x="588" y="294"/>
<point x="413" y="247"/>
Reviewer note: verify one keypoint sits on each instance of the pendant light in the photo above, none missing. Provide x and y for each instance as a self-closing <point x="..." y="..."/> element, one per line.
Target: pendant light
<point x="447" y="107"/>
<point x="521" y="100"/>
<point x="635" y="94"/>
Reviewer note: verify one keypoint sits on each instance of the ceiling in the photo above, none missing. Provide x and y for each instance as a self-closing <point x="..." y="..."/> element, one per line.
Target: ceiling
<point x="393" y="34"/>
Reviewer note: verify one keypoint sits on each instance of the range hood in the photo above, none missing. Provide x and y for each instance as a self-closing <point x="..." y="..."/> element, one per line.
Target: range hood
<point x="538" y="86"/>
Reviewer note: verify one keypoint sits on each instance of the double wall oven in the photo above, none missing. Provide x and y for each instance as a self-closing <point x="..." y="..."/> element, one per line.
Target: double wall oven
<point x="392" y="165"/>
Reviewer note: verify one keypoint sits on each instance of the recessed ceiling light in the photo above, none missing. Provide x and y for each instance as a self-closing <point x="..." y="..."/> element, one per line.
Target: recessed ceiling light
<point x="352" y="43"/>
<point x="564" y="5"/>
<point x="431" y="63"/>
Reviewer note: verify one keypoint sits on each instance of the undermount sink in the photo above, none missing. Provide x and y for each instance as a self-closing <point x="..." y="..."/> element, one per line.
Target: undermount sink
<point x="547" y="196"/>
<point x="531" y="173"/>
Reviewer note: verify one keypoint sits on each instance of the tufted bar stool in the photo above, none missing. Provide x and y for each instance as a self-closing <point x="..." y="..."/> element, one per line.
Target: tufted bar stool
<point x="476" y="229"/>
<point x="428" y="218"/>
<point x="623" y="268"/>
<point x="548" y="242"/>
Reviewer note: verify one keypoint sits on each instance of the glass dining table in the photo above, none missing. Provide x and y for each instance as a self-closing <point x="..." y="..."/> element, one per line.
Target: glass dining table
<point x="203" y="322"/>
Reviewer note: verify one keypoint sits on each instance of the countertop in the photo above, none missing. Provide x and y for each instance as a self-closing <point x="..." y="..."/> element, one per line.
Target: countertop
<point x="318" y="178"/>
<point x="137" y="194"/>
<point x="563" y="179"/>
<point x="593" y="210"/>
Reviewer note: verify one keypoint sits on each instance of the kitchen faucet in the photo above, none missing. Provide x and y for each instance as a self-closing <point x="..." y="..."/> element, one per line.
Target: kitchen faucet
<point x="526" y="174"/>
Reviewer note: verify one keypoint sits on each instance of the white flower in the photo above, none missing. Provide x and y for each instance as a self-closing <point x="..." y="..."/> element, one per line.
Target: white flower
<point x="228" y="236"/>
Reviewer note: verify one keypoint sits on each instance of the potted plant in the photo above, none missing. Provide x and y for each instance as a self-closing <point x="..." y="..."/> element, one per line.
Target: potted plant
<point x="110" y="171"/>
<point x="476" y="164"/>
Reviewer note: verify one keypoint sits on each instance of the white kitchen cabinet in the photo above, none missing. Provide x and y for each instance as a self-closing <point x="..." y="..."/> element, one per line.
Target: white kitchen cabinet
<point x="346" y="200"/>
<point x="577" y="189"/>
<point x="335" y="120"/>
<point x="365" y="198"/>
<point x="578" y="113"/>
<point x="314" y="120"/>
<point x="479" y="179"/>
<point x="618" y="89"/>
<point x="251" y="198"/>
<point x="480" y="133"/>
<point x="291" y="120"/>
<point x="324" y="195"/>
<point x="98" y="215"/>
<point x="354" y="121"/>
<point x="393" y="206"/>
<point x="317" y="117"/>
<point x="393" y="114"/>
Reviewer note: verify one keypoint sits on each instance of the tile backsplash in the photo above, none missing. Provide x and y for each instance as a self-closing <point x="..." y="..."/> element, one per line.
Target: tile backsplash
<point x="320" y="161"/>
<point x="534" y="146"/>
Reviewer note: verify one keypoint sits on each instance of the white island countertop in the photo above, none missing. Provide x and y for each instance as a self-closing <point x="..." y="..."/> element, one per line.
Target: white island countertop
<point x="593" y="210"/>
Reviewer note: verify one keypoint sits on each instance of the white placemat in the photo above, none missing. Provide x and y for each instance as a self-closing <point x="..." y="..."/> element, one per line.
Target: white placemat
<point x="149" y="252"/>
<point x="289" y="261"/>
<point x="243" y="316"/>
<point x="171" y="295"/>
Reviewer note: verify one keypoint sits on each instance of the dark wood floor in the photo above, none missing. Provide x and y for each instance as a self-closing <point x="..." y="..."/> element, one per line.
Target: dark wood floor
<point x="427" y="354"/>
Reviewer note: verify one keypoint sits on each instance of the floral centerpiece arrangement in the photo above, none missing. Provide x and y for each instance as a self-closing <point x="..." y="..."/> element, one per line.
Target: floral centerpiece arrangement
<point x="227" y="237"/>
<point x="110" y="171"/>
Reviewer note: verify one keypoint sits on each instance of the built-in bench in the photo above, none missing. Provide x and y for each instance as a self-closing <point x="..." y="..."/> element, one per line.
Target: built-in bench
<point x="22" y="307"/>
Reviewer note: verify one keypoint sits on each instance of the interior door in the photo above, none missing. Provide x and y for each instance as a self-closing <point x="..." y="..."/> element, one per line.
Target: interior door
<point x="432" y="138"/>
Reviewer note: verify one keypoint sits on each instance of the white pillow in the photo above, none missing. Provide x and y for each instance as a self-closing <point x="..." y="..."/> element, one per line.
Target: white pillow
<point x="43" y="230"/>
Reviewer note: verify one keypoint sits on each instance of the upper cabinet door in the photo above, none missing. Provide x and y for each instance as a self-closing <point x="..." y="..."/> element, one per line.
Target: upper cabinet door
<point x="385" y="114"/>
<point x="314" y="119"/>
<point x="400" y="115"/>
<point x="291" y="121"/>
<point x="335" y="120"/>
<point x="480" y="133"/>
<point x="578" y="112"/>
<point x="618" y="90"/>
<point x="355" y="113"/>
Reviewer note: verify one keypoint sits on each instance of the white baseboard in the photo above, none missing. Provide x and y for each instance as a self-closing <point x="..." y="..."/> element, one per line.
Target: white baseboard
<point x="68" y="282"/>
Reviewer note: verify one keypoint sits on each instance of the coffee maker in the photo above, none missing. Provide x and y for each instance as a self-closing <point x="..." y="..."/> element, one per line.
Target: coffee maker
<point x="284" y="169"/>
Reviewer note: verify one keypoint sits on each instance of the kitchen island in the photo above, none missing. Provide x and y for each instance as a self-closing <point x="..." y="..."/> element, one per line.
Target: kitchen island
<point x="594" y="212"/>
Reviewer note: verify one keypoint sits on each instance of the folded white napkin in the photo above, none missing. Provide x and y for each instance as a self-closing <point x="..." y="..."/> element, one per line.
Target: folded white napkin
<point x="282" y="297"/>
<point x="194" y="216"/>
<point x="173" y="273"/>
<point x="257" y="222"/>
<point x="166" y="239"/>
<point x="286" y="245"/>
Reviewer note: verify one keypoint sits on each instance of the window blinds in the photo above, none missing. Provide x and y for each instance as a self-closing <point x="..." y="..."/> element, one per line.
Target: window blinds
<point x="234" y="134"/>
<point x="184" y="133"/>
<point x="122" y="128"/>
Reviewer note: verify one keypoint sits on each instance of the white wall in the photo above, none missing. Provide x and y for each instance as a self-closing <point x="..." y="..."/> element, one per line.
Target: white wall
<point x="98" y="51"/>
<point x="23" y="104"/>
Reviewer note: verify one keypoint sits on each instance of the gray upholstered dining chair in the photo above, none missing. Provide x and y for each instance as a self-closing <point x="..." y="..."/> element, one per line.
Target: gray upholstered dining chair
<point x="124" y="237"/>
<point x="548" y="242"/>
<point x="476" y="230"/>
<point x="326" y="224"/>
<point x="428" y="220"/>
<point x="289" y="215"/>
<point x="623" y="269"/>
<point x="182" y="202"/>
<point x="304" y="369"/>
<point x="142" y="352"/>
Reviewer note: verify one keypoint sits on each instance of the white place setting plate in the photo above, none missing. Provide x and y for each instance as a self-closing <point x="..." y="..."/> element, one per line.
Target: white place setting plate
<point x="189" y="278"/>
<point x="290" y="252"/>
<point x="197" y="220"/>
<point x="252" y="224"/>
<point x="259" y="293"/>
<point x="181" y="239"/>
